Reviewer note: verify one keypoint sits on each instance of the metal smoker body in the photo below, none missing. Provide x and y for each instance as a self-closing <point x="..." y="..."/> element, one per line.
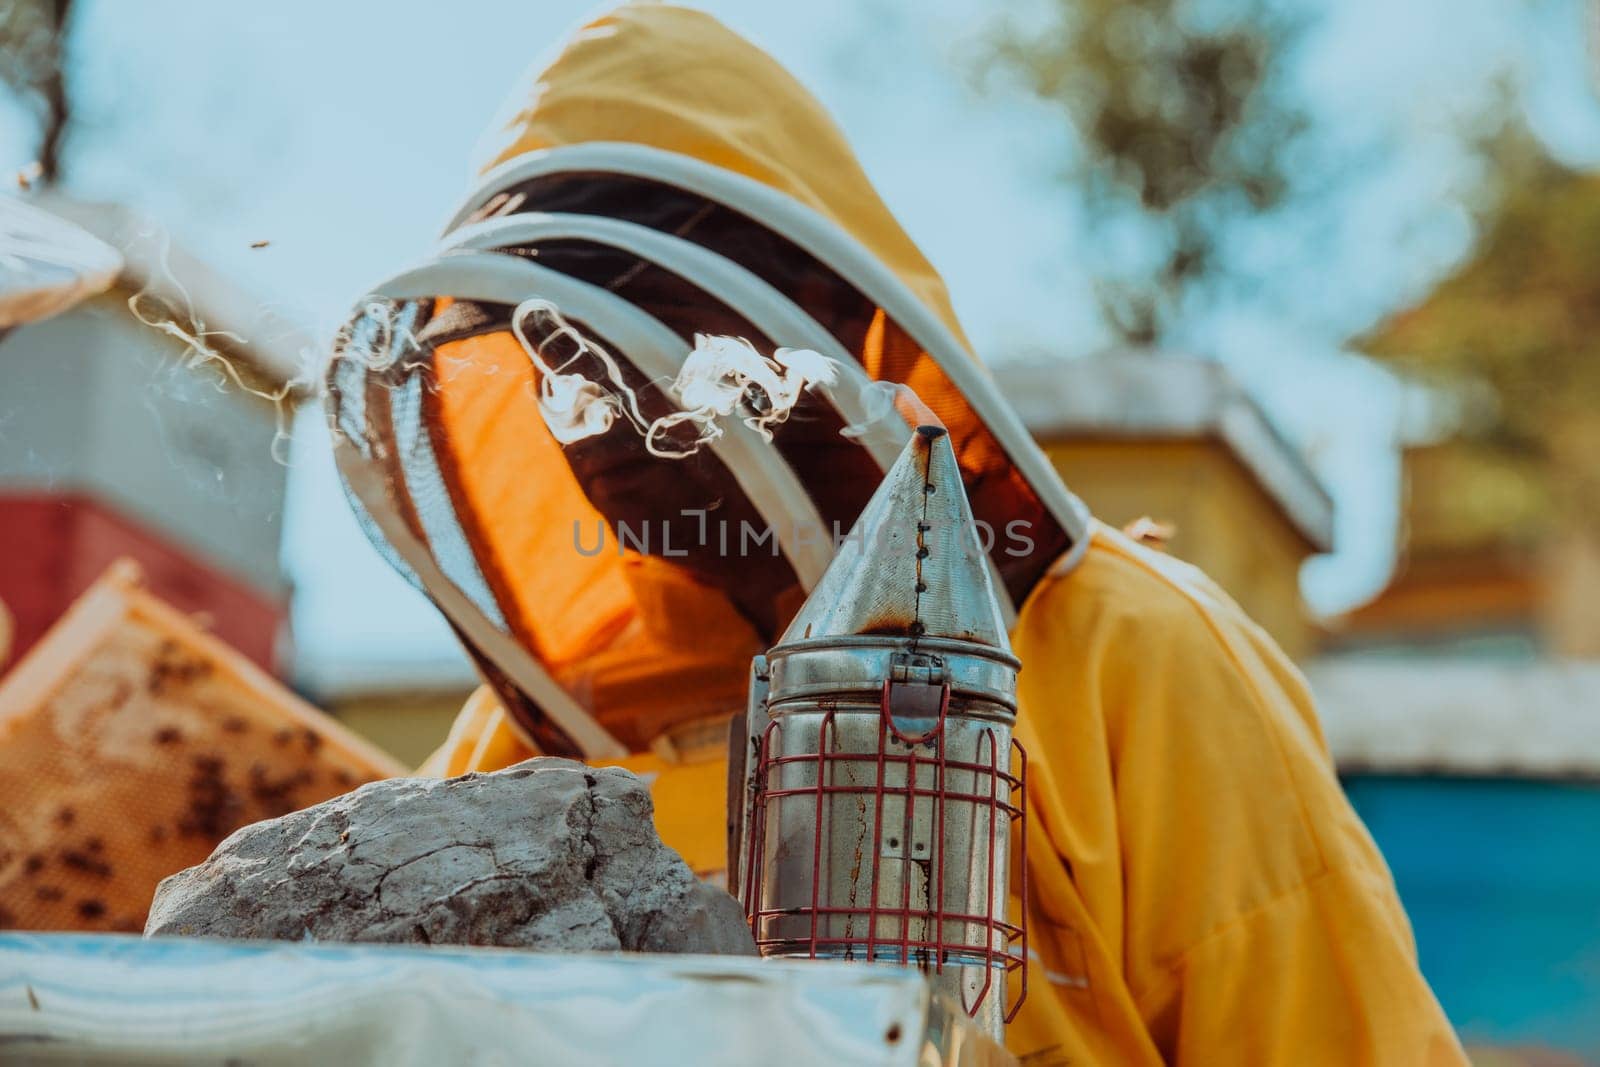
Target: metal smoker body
<point x="882" y="785"/>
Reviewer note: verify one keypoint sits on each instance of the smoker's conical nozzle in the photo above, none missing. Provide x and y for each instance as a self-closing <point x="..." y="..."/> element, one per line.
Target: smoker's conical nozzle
<point x="913" y="564"/>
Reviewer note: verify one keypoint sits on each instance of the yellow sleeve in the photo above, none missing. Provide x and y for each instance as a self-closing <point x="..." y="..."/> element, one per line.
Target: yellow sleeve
<point x="1191" y="796"/>
<point x="1317" y="976"/>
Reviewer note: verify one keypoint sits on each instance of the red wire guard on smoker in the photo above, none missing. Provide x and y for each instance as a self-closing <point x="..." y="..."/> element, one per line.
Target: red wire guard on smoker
<point x="981" y="938"/>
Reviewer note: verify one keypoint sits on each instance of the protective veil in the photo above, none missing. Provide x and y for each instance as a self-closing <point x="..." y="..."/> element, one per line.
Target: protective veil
<point x="1201" y="892"/>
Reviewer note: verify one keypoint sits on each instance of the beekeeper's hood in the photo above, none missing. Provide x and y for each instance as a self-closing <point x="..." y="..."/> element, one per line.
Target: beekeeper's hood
<point x="662" y="178"/>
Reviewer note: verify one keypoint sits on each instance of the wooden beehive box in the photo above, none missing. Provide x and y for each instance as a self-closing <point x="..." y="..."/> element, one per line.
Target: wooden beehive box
<point x="131" y="744"/>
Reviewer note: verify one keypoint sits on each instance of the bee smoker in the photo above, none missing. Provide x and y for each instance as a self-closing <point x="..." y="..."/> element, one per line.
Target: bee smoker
<point x="882" y="787"/>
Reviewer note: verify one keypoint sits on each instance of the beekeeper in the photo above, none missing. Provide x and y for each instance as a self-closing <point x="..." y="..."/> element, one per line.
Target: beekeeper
<point x="514" y="420"/>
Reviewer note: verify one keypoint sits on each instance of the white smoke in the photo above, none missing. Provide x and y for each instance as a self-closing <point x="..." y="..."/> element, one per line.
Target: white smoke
<point x="574" y="407"/>
<point x="886" y="404"/>
<point x="724" y="375"/>
<point x="722" y="378"/>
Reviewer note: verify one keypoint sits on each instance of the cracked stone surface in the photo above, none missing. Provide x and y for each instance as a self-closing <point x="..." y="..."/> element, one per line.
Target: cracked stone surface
<point x="549" y="854"/>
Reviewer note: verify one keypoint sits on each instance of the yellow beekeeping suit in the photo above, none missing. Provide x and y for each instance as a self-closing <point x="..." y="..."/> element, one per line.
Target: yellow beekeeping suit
<point x="1200" y="890"/>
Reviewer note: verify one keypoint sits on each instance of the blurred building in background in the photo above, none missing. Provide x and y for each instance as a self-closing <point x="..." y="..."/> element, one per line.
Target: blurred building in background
<point x="1477" y="568"/>
<point x="1176" y="439"/>
<point x="118" y="440"/>
<point x="1468" y="562"/>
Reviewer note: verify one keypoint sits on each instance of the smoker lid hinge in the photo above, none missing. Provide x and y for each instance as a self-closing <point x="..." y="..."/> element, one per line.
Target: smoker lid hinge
<point x="917" y="668"/>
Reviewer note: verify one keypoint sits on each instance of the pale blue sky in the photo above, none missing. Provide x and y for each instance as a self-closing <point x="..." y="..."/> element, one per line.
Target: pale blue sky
<point x="343" y="133"/>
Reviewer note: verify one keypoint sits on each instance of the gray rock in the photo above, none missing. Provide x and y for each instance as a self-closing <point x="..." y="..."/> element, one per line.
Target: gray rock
<point x="549" y="854"/>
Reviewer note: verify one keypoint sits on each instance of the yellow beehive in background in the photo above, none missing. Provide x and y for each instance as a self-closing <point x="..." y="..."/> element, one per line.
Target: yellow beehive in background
<point x="131" y="744"/>
<point x="1177" y="439"/>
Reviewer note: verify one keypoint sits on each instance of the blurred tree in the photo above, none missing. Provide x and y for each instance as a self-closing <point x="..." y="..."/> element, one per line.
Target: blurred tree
<point x="1180" y="111"/>
<point x="1512" y="339"/>
<point x="1513" y="336"/>
<point x="32" y="61"/>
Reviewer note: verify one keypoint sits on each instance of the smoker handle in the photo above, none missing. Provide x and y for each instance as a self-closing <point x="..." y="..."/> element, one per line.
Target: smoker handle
<point x="744" y="732"/>
<point x="738" y="795"/>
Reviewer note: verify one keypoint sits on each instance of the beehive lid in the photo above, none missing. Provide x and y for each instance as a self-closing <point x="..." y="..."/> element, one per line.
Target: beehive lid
<point x="47" y="264"/>
<point x="131" y="744"/>
<point x="76" y="998"/>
